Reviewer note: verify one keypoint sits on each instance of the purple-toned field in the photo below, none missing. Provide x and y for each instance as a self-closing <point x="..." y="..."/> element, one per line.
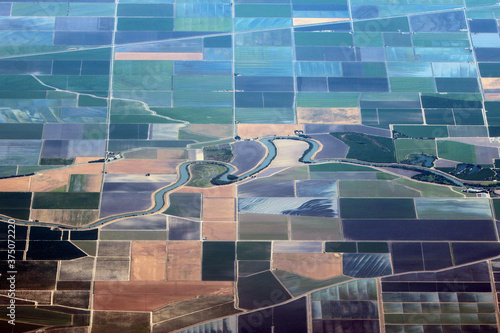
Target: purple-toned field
<point x="247" y="155"/>
<point x="133" y="187"/>
<point x="328" y="128"/>
<point x="147" y="222"/>
<point x="332" y="147"/>
<point x="486" y="155"/>
<point x="343" y="175"/>
<point x="113" y="203"/>
<point x="73" y="148"/>
<point x="316" y="188"/>
<point x="442" y="163"/>
<point x="322" y="207"/>
<point x="266" y="188"/>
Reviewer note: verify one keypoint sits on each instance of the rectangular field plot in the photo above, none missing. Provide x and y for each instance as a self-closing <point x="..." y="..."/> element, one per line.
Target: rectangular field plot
<point x="262" y="227"/>
<point x="404" y="147"/>
<point x="181" y="229"/>
<point x="148" y="222"/>
<point x="318" y="266"/>
<point x="377" y="208"/>
<point x="112" y="269"/>
<point x="315" y="228"/>
<point x="53" y="200"/>
<point x="453" y="208"/>
<point x="266" y="188"/>
<point x="184" y="261"/>
<point x="218" y="261"/>
<point x="456" y="151"/>
<point x="184" y="205"/>
<point x="219" y="231"/>
<point x="375" y="188"/>
<point x="218" y="209"/>
<point x="15" y="204"/>
<point x="149" y="261"/>
<point x="133" y="235"/>
<point x="74" y="217"/>
<point x="134" y="166"/>
<point x="122" y="202"/>
<point x="316" y="188"/>
<point x="414" y="230"/>
<point x="20" y="152"/>
<point x="428" y="189"/>
<point x="321" y="207"/>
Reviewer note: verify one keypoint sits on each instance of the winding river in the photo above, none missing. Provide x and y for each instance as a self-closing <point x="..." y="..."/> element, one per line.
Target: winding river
<point x="226" y="178"/>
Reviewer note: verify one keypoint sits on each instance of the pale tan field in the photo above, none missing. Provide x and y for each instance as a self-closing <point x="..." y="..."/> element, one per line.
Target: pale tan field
<point x="184" y="261"/>
<point x="149" y="260"/>
<point x="329" y="115"/>
<point x="219" y="231"/>
<point x="137" y="166"/>
<point x="74" y="217"/>
<point x="225" y="191"/>
<point x="170" y="154"/>
<point x="157" y="56"/>
<point x="218" y="130"/>
<point x="289" y="152"/>
<point x="316" y="266"/>
<point x="219" y="209"/>
<point x="47" y="181"/>
<point x="19" y="184"/>
<point x="314" y="20"/>
<point x="490" y="83"/>
<point x="249" y="131"/>
<point x="491" y="97"/>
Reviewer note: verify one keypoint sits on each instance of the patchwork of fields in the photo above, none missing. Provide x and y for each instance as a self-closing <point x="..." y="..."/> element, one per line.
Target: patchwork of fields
<point x="377" y="209"/>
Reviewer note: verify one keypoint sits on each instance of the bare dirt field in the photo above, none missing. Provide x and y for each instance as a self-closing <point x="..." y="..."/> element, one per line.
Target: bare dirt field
<point x="225" y="191"/>
<point x="138" y="166"/>
<point x="219" y="231"/>
<point x="150" y="295"/>
<point x="149" y="261"/>
<point x="184" y="260"/>
<point x="218" y="130"/>
<point x="218" y="209"/>
<point x="171" y="154"/>
<point x="316" y="266"/>
<point x="18" y="184"/>
<point x="47" y="181"/>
